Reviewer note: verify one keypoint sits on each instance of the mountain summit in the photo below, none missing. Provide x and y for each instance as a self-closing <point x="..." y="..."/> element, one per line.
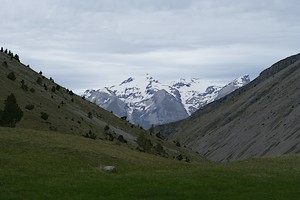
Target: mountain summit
<point x="146" y="101"/>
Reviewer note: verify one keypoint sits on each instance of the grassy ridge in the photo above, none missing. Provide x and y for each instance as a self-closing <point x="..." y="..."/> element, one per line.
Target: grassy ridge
<point x="49" y="165"/>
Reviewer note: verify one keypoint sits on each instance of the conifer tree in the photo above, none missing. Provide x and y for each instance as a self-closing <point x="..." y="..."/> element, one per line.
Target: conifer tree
<point x="12" y="113"/>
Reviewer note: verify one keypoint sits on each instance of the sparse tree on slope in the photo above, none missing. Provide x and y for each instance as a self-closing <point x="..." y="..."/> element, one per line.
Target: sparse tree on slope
<point x="12" y="113"/>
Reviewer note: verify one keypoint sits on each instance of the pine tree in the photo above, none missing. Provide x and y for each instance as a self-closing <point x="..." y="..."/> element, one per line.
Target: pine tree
<point x="12" y="113"/>
<point x="2" y="49"/>
<point x="17" y="57"/>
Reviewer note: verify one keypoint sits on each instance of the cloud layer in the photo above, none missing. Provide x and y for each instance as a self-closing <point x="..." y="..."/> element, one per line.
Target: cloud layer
<point x="94" y="43"/>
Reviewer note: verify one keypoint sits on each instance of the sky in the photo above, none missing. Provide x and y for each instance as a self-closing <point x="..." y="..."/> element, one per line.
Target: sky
<point x="97" y="43"/>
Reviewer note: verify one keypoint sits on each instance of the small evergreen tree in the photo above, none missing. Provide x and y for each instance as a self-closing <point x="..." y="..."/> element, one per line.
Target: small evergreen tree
<point x="44" y="116"/>
<point x="17" y="57"/>
<point x="144" y="143"/>
<point x="53" y="89"/>
<point x="39" y="81"/>
<point x="12" y="113"/>
<point x="4" y="64"/>
<point x="11" y="76"/>
<point x="2" y="49"/>
<point x="90" y="115"/>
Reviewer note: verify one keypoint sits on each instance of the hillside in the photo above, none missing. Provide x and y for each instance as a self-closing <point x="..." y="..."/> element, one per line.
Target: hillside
<point x="49" y="165"/>
<point x="48" y="106"/>
<point x="259" y="119"/>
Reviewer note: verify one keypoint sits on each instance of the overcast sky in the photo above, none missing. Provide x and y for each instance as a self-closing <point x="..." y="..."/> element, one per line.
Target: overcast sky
<point x="97" y="43"/>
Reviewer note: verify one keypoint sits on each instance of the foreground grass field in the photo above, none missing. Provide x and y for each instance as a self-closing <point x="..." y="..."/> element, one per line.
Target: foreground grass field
<point x="49" y="165"/>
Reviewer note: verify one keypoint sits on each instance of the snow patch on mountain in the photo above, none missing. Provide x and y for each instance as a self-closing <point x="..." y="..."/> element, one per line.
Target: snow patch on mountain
<point x="146" y="101"/>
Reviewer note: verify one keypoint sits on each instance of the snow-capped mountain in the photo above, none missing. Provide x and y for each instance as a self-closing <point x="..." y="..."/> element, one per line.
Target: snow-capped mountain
<point x="146" y="101"/>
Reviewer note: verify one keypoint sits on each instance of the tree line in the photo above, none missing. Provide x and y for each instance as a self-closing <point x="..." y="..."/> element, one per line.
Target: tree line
<point x="10" y="53"/>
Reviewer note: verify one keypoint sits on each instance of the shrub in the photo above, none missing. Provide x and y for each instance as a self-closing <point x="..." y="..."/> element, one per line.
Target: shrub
<point x="17" y="57"/>
<point x="44" y="116"/>
<point x="39" y="81"/>
<point x="32" y="90"/>
<point x="144" y="143"/>
<point x="11" y="76"/>
<point x="121" y="139"/>
<point x="57" y="87"/>
<point x="179" y="157"/>
<point x="124" y="118"/>
<point x="90" y="115"/>
<point x="12" y="113"/>
<point x="110" y="136"/>
<point x="90" y="135"/>
<point x="53" y="89"/>
<point x="106" y="128"/>
<point x="29" y="107"/>
<point x="159" y="149"/>
<point x="24" y="86"/>
<point x="4" y="64"/>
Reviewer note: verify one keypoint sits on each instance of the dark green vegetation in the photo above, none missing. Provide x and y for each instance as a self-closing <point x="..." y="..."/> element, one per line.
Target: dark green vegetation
<point x="12" y="113"/>
<point x="50" y="165"/>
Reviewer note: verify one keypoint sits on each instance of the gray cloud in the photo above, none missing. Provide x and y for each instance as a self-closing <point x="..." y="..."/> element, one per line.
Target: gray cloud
<point x="91" y="43"/>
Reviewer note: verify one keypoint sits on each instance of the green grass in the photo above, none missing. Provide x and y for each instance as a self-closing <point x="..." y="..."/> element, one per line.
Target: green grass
<point x="49" y="165"/>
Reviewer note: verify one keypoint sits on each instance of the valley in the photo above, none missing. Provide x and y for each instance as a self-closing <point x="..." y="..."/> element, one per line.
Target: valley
<point x="244" y="145"/>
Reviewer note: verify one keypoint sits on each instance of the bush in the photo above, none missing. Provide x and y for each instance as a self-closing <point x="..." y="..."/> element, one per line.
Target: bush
<point x="12" y="113"/>
<point x="90" y="135"/>
<point x="90" y="115"/>
<point x="159" y="149"/>
<point x="179" y="157"/>
<point x="106" y="128"/>
<point x="121" y="139"/>
<point x="110" y="136"/>
<point x="144" y="143"/>
<point x="44" y="116"/>
<point x="32" y="90"/>
<point x="24" y="86"/>
<point x="39" y="81"/>
<point x="17" y="57"/>
<point x="11" y="76"/>
<point x="124" y="118"/>
<point x="29" y="107"/>
<point x="4" y="64"/>
<point x="53" y="89"/>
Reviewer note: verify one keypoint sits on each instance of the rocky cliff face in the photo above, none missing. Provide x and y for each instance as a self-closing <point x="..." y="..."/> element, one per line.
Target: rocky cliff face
<point x="146" y="101"/>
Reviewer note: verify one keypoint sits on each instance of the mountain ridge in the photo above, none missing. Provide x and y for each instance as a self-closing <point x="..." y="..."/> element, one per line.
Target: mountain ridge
<point x="259" y="119"/>
<point x="132" y="98"/>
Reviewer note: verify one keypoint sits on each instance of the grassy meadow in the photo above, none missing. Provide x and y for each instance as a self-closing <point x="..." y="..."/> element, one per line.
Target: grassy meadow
<point x="50" y="165"/>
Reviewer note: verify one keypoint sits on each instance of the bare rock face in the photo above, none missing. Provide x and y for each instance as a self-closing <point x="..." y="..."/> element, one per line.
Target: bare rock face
<point x="259" y="119"/>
